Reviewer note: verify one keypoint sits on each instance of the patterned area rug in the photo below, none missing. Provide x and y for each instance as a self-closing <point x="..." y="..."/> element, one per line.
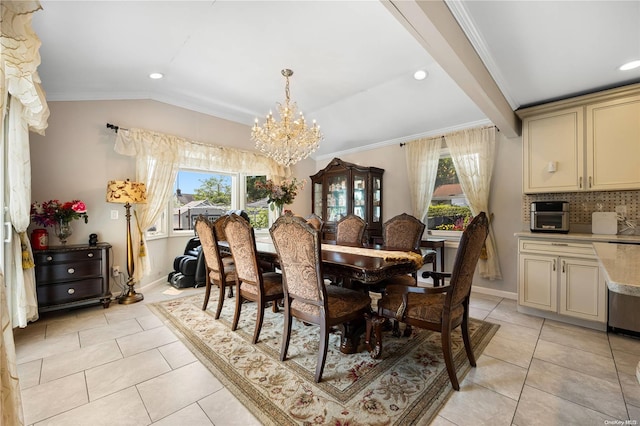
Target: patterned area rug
<point x="408" y="385"/>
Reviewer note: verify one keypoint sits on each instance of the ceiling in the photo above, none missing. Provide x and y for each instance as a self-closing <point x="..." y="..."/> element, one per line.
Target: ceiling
<point x="353" y="61"/>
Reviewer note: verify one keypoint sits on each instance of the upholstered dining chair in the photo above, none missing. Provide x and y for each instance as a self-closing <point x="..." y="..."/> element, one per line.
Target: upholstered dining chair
<point x="315" y="221"/>
<point x="251" y="283"/>
<point x="442" y="308"/>
<point x="219" y="271"/>
<point x="403" y="232"/>
<point x="306" y="297"/>
<point x="350" y="230"/>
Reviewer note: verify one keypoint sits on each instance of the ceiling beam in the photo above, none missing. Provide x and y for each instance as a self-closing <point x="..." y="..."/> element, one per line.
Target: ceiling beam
<point x="436" y="29"/>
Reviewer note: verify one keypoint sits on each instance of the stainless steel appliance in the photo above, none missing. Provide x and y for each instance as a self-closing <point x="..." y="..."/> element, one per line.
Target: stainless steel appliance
<point x="623" y="313"/>
<point x="550" y="216"/>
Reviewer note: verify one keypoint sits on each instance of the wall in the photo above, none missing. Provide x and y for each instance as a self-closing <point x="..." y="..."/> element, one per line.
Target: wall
<point x="76" y="159"/>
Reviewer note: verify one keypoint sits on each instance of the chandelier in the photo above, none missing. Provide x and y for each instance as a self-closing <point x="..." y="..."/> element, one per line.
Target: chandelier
<point x="289" y="140"/>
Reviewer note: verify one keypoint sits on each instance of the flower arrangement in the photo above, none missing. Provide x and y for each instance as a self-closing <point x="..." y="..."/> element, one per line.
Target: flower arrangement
<point x="52" y="212"/>
<point x="280" y="194"/>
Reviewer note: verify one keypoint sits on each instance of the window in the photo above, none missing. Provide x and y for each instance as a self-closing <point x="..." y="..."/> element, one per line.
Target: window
<point x="449" y="209"/>
<point x="212" y="195"/>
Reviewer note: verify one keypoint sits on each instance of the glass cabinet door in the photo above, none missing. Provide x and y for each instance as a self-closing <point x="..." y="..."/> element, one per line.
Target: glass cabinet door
<point x="376" y="195"/>
<point x="360" y="196"/>
<point x="317" y="198"/>
<point x="336" y="198"/>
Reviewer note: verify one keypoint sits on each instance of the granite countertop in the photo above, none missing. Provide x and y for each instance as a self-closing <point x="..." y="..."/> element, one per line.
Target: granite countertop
<point x="621" y="265"/>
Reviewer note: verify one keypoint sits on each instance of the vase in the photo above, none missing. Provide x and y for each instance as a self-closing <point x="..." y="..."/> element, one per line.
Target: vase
<point x="63" y="231"/>
<point x="279" y="209"/>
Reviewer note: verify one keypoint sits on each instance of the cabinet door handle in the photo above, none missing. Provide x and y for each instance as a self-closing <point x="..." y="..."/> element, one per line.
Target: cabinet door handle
<point x="49" y="258"/>
<point x="559" y="244"/>
<point x="580" y="181"/>
<point x="563" y="266"/>
<point x="71" y="291"/>
<point x="71" y="270"/>
<point x="554" y="264"/>
<point x="589" y="181"/>
<point x="89" y="254"/>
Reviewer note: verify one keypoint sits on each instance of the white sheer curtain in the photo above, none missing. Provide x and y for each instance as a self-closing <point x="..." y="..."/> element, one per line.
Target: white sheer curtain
<point x="159" y="156"/>
<point x="23" y="108"/>
<point x="473" y="155"/>
<point x="422" y="158"/>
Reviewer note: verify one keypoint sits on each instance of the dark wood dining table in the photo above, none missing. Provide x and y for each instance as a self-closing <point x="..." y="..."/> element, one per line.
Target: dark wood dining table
<point x="364" y="267"/>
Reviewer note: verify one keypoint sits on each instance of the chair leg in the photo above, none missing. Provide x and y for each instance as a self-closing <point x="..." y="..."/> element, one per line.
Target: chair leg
<point x="448" y="356"/>
<point x="259" y="319"/>
<point x="207" y="292"/>
<point x="467" y="342"/>
<point x="236" y="315"/>
<point x="286" y="336"/>
<point x="220" y="299"/>
<point x="322" y="350"/>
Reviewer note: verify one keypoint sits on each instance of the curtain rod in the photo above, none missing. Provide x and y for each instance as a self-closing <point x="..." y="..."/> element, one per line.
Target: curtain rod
<point x="444" y="136"/>
<point x="114" y="127"/>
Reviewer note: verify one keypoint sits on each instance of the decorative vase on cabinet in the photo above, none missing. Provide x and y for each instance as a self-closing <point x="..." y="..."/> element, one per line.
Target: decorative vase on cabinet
<point x="343" y="188"/>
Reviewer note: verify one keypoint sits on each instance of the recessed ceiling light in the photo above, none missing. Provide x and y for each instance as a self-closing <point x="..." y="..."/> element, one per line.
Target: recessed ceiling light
<point x="156" y="75"/>
<point x="630" y="65"/>
<point x="420" y="75"/>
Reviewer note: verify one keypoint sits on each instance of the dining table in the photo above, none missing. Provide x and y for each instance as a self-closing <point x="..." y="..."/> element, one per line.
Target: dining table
<point x="358" y="267"/>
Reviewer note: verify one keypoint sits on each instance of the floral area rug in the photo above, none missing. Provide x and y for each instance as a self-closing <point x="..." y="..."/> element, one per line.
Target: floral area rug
<point x="408" y="385"/>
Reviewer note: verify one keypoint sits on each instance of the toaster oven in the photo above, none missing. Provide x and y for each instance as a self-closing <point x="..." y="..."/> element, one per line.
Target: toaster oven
<point x="550" y="216"/>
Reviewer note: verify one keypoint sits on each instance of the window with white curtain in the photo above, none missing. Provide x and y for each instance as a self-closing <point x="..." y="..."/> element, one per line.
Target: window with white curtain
<point x="210" y="194"/>
<point x="449" y="209"/>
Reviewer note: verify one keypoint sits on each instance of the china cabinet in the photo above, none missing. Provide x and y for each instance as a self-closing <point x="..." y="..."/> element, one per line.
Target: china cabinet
<point x="588" y="143"/>
<point x="344" y="188"/>
<point x="72" y="275"/>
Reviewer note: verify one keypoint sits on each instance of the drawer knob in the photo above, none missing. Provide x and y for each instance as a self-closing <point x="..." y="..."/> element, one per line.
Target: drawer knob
<point x="89" y="254"/>
<point x="49" y="258"/>
<point x="71" y="291"/>
<point x="71" y="270"/>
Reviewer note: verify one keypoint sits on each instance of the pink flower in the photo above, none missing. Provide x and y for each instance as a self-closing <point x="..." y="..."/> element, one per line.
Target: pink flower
<point x="79" y="207"/>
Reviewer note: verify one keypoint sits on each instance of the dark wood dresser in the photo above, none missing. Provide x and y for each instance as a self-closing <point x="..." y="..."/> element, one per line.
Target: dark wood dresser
<point x="72" y="275"/>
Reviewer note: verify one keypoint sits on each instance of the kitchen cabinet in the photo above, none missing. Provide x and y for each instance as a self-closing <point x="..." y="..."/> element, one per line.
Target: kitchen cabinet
<point x="343" y="188"/>
<point x="588" y="143"/>
<point x="72" y="275"/>
<point x="562" y="278"/>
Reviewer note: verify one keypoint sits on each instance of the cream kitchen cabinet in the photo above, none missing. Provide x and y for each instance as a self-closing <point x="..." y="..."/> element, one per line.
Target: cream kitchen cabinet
<point x="562" y="278"/>
<point x="588" y="143"/>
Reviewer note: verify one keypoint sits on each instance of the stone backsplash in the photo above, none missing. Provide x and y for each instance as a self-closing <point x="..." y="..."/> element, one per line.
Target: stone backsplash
<point x="582" y="204"/>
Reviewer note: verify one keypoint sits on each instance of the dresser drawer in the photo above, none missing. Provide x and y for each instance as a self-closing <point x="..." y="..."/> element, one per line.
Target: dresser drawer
<point x="53" y="294"/>
<point x="68" y="256"/>
<point x="68" y="271"/>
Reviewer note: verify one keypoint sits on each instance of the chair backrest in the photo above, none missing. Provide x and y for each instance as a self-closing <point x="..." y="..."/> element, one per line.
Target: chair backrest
<point x="464" y="266"/>
<point x="350" y="230"/>
<point x="220" y="224"/>
<point x="242" y="243"/>
<point x="209" y="243"/>
<point x="299" y="250"/>
<point x="315" y="221"/>
<point x="403" y="232"/>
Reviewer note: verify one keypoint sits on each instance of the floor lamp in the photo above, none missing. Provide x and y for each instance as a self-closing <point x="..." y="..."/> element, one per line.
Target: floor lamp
<point x="127" y="193"/>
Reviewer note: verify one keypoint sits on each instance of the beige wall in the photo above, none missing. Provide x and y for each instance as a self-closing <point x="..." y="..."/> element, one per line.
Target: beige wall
<point x="76" y="159"/>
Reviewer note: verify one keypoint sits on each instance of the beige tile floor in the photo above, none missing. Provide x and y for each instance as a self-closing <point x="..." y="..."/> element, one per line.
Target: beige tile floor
<point x="122" y="366"/>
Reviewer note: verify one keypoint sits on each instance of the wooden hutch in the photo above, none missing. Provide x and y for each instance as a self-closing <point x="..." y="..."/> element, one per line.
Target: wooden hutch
<point x="344" y="188"/>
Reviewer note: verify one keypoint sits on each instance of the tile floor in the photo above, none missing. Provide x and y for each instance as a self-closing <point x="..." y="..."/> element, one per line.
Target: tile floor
<point x="122" y="366"/>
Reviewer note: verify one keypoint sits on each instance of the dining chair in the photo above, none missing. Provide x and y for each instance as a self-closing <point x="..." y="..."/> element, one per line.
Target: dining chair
<point x="440" y="309"/>
<point x="403" y="232"/>
<point x="251" y="283"/>
<point x="298" y="246"/>
<point x="219" y="271"/>
<point x="350" y="230"/>
<point x="315" y="221"/>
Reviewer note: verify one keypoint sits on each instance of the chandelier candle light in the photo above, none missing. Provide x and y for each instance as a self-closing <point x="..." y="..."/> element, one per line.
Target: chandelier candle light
<point x="289" y="140"/>
<point x="127" y="193"/>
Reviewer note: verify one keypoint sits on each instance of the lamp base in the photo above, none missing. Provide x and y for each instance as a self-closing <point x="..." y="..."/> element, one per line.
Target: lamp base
<point x="130" y="297"/>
